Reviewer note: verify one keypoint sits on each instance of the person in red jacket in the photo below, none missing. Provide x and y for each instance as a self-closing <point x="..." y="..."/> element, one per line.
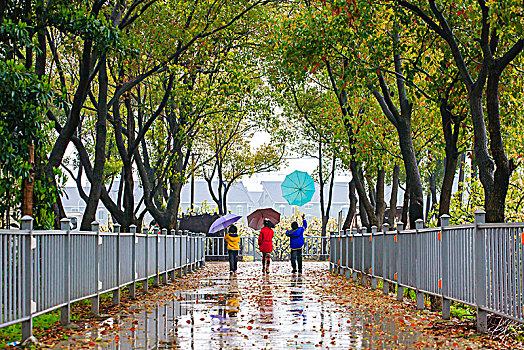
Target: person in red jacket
<point x="265" y="244"/>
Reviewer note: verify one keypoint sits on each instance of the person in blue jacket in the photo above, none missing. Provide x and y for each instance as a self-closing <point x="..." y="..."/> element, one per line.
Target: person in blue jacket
<point x="296" y="241"/>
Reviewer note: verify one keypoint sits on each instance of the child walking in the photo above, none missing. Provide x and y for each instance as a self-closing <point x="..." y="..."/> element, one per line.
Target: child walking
<point x="233" y="242"/>
<point x="265" y="244"/>
<point x="296" y="241"/>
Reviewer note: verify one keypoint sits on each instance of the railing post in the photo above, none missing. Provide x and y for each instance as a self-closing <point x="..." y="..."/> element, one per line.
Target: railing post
<point x="353" y="269"/>
<point x="95" y="300"/>
<point x="179" y="247"/>
<point x="385" y="283"/>
<point x="192" y="249"/>
<point x="145" y="284"/>
<point x="182" y="257"/>
<point x="340" y="252"/>
<point x="164" y="275"/>
<point x="156" y="278"/>
<point x="400" y="289"/>
<point x="116" y="292"/>
<point x="65" y="311"/>
<point x="253" y="239"/>
<point x="173" y="271"/>
<point x="372" y="272"/>
<point x="204" y="242"/>
<point x="197" y="250"/>
<point x="348" y="238"/>
<point x="331" y="254"/>
<point x="132" y="286"/>
<point x="29" y="304"/>
<point x="420" y="296"/>
<point x="363" y="272"/>
<point x="186" y="239"/>
<point x="340" y="260"/>
<point x="189" y="252"/>
<point x="444" y="264"/>
<point x="480" y="271"/>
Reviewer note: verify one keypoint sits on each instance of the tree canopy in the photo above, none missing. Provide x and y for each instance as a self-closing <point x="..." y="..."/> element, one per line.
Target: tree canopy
<point x="411" y="93"/>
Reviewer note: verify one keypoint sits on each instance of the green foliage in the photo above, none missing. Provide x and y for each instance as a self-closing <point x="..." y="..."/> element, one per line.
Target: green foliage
<point x="80" y="22"/>
<point x="463" y="311"/>
<point x="23" y="101"/>
<point x="199" y="209"/>
<point x="464" y="202"/>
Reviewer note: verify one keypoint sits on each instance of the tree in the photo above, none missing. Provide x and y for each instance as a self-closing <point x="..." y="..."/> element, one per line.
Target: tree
<point x="24" y="97"/>
<point x="147" y="74"/>
<point x="498" y="29"/>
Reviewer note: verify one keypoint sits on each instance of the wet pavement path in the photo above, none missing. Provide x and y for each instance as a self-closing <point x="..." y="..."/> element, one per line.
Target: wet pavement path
<point x="275" y="311"/>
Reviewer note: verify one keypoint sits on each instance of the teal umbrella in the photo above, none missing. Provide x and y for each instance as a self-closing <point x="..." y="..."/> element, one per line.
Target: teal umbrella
<point x="298" y="188"/>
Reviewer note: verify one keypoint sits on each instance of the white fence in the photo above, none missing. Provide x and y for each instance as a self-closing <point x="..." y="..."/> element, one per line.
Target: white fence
<point x="481" y="265"/>
<point x="46" y="270"/>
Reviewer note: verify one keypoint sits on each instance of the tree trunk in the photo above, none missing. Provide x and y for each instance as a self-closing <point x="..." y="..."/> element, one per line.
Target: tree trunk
<point x="28" y="185"/>
<point x="402" y="122"/>
<point x="380" y="202"/>
<point x="364" y="218"/>
<point x="61" y="143"/>
<point x="100" y="150"/>
<point x="405" y="209"/>
<point x="394" y="194"/>
<point x="451" y="132"/>
<point x="352" y="206"/>
<point x="414" y="184"/>
<point x="495" y="201"/>
<point x="363" y="201"/>
<point x="428" y="206"/>
<point x="461" y="177"/>
<point x="447" y="184"/>
<point x="325" y="217"/>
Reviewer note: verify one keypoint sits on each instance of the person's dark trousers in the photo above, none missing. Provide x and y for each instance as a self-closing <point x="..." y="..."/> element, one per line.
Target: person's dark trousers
<point x="296" y="258"/>
<point x="266" y="259"/>
<point x="233" y="259"/>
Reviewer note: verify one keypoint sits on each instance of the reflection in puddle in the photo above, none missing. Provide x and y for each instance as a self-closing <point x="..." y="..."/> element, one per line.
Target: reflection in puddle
<point x="251" y="311"/>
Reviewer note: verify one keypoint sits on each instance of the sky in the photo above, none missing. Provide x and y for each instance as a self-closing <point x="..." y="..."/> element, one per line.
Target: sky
<point x="306" y="164"/>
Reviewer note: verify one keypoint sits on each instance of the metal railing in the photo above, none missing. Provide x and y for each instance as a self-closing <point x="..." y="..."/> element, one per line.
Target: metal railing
<point x="42" y="271"/>
<point x="481" y="265"/>
<point x="315" y="248"/>
<point x="216" y="248"/>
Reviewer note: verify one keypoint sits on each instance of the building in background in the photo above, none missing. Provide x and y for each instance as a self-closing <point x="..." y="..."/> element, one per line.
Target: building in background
<point x="272" y="197"/>
<point x="240" y="200"/>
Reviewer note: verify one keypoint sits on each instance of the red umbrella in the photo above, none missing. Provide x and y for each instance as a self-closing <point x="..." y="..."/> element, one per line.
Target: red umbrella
<point x="255" y="220"/>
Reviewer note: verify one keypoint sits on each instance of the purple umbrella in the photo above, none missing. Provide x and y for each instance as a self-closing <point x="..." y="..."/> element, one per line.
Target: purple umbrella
<point x="223" y="222"/>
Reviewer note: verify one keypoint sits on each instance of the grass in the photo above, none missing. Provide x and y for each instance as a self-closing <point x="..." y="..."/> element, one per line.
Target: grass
<point x="463" y="311"/>
<point x="40" y="326"/>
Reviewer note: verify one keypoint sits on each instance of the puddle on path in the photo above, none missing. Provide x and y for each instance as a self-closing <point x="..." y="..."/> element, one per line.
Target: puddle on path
<point x="250" y="310"/>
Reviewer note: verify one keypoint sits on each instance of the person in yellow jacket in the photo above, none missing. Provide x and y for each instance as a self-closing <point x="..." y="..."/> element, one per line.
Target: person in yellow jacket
<point x="233" y="246"/>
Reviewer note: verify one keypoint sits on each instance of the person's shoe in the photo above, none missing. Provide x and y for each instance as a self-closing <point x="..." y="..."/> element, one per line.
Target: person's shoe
<point x="300" y="273"/>
<point x="267" y="269"/>
<point x="231" y="272"/>
<point x="235" y="272"/>
<point x="293" y="272"/>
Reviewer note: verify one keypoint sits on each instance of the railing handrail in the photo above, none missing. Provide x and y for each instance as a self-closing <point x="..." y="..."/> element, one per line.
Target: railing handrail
<point x="480" y="264"/>
<point x="64" y="266"/>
